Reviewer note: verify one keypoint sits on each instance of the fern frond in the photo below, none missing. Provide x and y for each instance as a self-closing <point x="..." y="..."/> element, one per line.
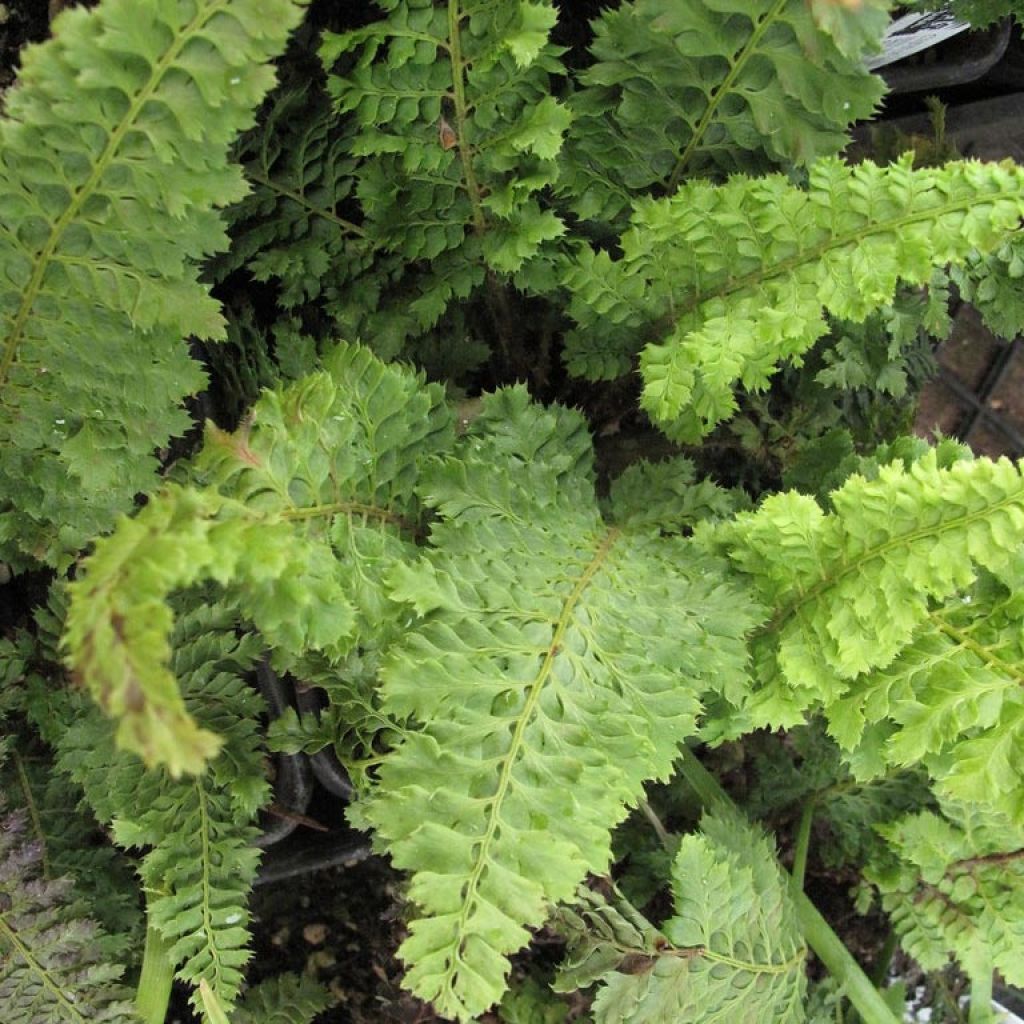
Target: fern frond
<point x="198" y="832"/>
<point x="843" y="246"/>
<point x="808" y="768"/>
<point x="680" y="89"/>
<point x="953" y="699"/>
<point x="298" y="513"/>
<point x="286" y="999"/>
<point x="744" y="271"/>
<point x="455" y="119"/>
<point x="731" y="951"/>
<point x="114" y="161"/>
<point x="546" y="697"/>
<point x="954" y="884"/>
<point x="56" y="965"/>
<point x="291" y="228"/>
<point x="993" y="285"/>
<point x="851" y="589"/>
<point x="531" y="1003"/>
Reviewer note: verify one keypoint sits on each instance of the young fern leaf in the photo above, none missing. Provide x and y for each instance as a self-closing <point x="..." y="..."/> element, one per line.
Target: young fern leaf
<point x="559" y="664"/>
<point x="114" y="160"/>
<point x="953" y="699"/>
<point x="992" y="284"/>
<point x="683" y="88"/>
<point x="286" y="999"/>
<point x="460" y="132"/>
<point x="954" y="884"/>
<point x="56" y="966"/>
<point x="852" y="588"/>
<point x="731" y="951"/>
<point x="297" y="514"/>
<point x="200" y="862"/>
<point x="743" y="272"/>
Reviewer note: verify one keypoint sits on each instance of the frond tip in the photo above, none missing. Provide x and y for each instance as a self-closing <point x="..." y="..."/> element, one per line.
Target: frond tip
<point x="297" y="514"/>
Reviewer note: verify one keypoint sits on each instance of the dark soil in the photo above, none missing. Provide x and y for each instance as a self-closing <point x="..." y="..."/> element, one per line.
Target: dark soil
<point x="21" y="22"/>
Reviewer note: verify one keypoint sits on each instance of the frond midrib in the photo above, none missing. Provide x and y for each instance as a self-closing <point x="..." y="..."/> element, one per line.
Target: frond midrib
<point x="516" y="744"/>
<point x="723" y="90"/>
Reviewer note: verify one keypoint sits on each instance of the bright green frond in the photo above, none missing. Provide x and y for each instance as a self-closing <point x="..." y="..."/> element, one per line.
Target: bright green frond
<point x="955" y="885"/>
<point x="559" y="663"/>
<point x="299" y="514"/>
<point x="852" y="588"/>
<point x="954" y="699"/>
<point x="736" y="278"/>
<point x="843" y="246"/>
<point x="114" y="160"/>
<point x="732" y="951"/>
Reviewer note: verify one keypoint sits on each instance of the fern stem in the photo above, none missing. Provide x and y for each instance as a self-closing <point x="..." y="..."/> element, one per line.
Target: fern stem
<point x="803" y="842"/>
<point x="461" y="110"/>
<point x="154" y="990"/>
<point x="659" y="829"/>
<point x="981" y="995"/>
<point x="820" y="937"/>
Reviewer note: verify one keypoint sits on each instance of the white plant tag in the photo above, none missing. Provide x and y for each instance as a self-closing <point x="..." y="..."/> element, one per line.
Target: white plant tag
<point x="916" y="32"/>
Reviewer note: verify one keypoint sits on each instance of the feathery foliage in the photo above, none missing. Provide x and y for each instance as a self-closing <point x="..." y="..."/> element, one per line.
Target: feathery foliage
<point x="690" y="89"/>
<point x="512" y="636"/>
<point x="852" y="588"/>
<point x="289" y="229"/>
<point x="198" y="832"/>
<point x="547" y="698"/>
<point x="286" y="999"/>
<point x="734" y="279"/>
<point x="732" y="949"/>
<point x="291" y="509"/>
<point x="55" y="963"/>
<point x="954" y="884"/>
<point x="458" y="130"/>
<point x="114" y="161"/>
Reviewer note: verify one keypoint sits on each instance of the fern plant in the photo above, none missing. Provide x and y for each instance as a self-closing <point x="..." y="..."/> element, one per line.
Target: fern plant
<point x="514" y="639"/>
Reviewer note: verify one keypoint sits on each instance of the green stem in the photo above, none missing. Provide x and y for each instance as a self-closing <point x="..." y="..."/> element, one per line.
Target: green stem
<point x="880" y="970"/>
<point x="981" y="996"/>
<point x="154" y="991"/>
<point x="803" y="842"/>
<point x="462" y="114"/>
<point x="659" y="829"/>
<point x="830" y="950"/>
